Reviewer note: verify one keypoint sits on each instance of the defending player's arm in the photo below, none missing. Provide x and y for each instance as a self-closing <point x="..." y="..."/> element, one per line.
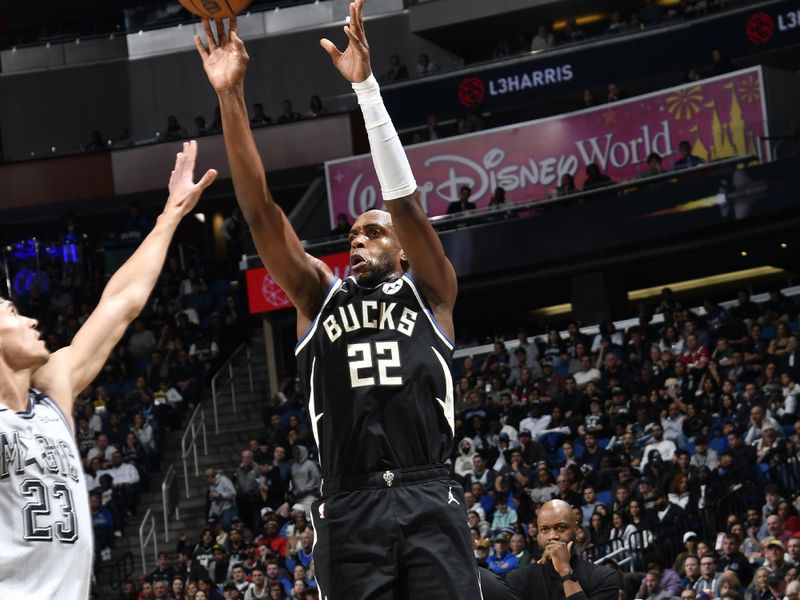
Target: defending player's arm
<point x="303" y="278"/>
<point x="429" y="264"/>
<point x="72" y="368"/>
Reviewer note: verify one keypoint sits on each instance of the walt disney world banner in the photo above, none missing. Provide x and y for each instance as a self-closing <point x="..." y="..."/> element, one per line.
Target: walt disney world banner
<point x="721" y="117"/>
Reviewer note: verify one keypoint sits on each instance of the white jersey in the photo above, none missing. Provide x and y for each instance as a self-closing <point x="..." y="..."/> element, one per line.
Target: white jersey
<point x="45" y="524"/>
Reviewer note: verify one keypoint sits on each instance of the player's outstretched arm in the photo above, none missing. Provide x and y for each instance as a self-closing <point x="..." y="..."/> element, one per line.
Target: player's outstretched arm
<point x="429" y="264"/>
<point x="72" y="368"/>
<point x="303" y="278"/>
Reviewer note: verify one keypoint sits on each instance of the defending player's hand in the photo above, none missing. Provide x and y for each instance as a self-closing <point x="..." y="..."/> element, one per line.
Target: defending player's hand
<point x="183" y="191"/>
<point x="353" y="63"/>
<point x="225" y="59"/>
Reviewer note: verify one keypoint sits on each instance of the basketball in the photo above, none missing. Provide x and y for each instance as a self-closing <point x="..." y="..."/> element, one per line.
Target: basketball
<point x="215" y="9"/>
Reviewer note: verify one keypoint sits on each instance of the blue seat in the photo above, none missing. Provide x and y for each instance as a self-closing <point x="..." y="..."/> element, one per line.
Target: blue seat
<point x="788" y="430"/>
<point x="605" y="497"/>
<point x="603" y="442"/>
<point x="718" y="444"/>
<point x="768" y="332"/>
<point x="579" y="449"/>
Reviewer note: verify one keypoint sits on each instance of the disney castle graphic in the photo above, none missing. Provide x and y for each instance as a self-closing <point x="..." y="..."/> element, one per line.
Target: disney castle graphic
<point x="723" y="138"/>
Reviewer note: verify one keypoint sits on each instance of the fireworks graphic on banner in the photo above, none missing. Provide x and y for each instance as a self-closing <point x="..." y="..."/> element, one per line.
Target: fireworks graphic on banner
<point x="685" y="103"/>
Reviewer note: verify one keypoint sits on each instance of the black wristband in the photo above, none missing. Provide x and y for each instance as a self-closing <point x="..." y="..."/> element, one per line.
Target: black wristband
<point x="569" y="577"/>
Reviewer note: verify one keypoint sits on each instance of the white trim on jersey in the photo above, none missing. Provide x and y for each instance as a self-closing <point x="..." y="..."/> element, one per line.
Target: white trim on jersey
<point x="447" y="404"/>
<point x="301" y="343"/>
<point x="314" y="545"/>
<point x="312" y="412"/>
<point x="407" y="278"/>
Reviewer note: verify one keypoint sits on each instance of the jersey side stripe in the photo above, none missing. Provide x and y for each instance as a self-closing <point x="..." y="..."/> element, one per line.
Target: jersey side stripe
<point x="448" y="402"/>
<point x="312" y="412"/>
<point x="335" y="285"/>
<point x="428" y="312"/>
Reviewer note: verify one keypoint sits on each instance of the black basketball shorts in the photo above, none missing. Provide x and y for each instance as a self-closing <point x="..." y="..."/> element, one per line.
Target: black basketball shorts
<point x="394" y="535"/>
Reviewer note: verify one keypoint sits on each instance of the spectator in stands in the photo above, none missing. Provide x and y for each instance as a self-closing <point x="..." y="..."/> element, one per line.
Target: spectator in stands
<point x="397" y="70"/>
<point x="222" y="497"/>
<point x="594" y="178"/>
<point x="654" y="165"/>
<point x="614" y="93"/>
<point x="425" y="66"/>
<point x="571" y="31"/>
<point x="174" y="130"/>
<point x="305" y="477"/>
<point x="316" y="108"/>
<point x="731" y="559"/>
<point x="720" y="64"/>
<point x="709" y="577"/>
<point x="650" y="13"/>
<point x="124" y="138"/>
<point x="616" y="23"/>
<point x="201" y="127"/>
<point x="102" y="527"/>
<point x="587" y="99"/>
<point x="566" y="186"/>
<point x="259" y="118"/>
<point x="759" y="589"/>
<point x="501" y="560"/>
<point x="666" y="448"/>
<point x="288" y="114"/>
<point x="463" y="202"/>
<point x="651" y="587"/>
<point x="687" y="159"/>
<point x="543" y="40"/>
<point x="96" y="143"/>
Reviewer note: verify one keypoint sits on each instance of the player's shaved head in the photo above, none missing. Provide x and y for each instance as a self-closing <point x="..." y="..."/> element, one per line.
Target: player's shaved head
<point x="375" y="252"/>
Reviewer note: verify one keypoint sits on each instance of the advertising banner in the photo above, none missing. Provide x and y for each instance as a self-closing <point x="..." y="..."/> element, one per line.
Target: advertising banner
<point x="565" y="72"/>
<point x="720" y="118"/>
<point x="264" y="295"/>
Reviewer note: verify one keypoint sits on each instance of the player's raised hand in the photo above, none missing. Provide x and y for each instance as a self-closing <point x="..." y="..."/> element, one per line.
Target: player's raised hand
<point x="225" y="57"/>
<point x="183" y="191"/>
<point x="353" y="63"/>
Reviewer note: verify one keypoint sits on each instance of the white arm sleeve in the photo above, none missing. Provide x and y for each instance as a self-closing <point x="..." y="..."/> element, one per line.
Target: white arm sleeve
<point x="391" y="162"/>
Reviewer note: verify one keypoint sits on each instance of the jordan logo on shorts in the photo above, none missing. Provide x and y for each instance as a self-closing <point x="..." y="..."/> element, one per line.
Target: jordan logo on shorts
<point x="452" y="499"/>
<point x="321" y="509"/>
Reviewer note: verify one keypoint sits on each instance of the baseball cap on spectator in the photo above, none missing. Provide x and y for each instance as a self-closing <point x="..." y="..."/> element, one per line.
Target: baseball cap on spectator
<point x="520" y="350"/>
<point x="298" y="507"/>
<point x="768" y="425"/>
<point x="525" y="432"/>
<point x="547" y="363"/>
<point x="689" y="535"/>
<point x="503" y="437"/>
<point x="481" y="543"/>
<point x="774" y="579"/>
<point x="266" y="511"/>
<point x="700" y="440"/>
<point x="670" y="382"/>
<point x="229" y="587"/>
<point x="647" y="480"/>
<point x="617" y="391"/>
<point x="500" y="537"/>
<point x="772" y="542"/>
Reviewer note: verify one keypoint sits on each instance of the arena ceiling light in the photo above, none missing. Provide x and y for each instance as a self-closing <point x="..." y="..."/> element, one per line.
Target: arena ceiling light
<point x="583" y="20"/>
<point x="703" y="282"/>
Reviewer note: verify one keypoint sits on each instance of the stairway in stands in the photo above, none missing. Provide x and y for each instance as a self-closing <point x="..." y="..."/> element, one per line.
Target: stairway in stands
<point x="224" y="449"/>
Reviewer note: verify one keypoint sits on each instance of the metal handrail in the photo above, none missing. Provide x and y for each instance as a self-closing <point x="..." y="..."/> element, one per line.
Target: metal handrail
<point x="144" y="540"/>
<point x="169" y="499"/>
<point x="196" y="424"/>
<point x="228" y="366"/>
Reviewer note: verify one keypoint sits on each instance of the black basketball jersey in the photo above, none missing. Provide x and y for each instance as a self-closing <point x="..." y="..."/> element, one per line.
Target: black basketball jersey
<point x="376" y="368"/>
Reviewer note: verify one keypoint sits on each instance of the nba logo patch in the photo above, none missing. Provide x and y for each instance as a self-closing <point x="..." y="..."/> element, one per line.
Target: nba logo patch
<point x="392" y="287"/>
<point x="321" y="509"/>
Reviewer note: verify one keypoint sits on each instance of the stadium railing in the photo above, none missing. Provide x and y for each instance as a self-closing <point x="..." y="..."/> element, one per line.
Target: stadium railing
<point x="189" y="442"/>
<point x="228" y="368"/>
<point x="170" y="499"/>
<point x="148" y="535"/>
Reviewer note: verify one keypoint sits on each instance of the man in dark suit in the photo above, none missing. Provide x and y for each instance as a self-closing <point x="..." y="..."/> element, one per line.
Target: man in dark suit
<point x="559" y="574"/>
